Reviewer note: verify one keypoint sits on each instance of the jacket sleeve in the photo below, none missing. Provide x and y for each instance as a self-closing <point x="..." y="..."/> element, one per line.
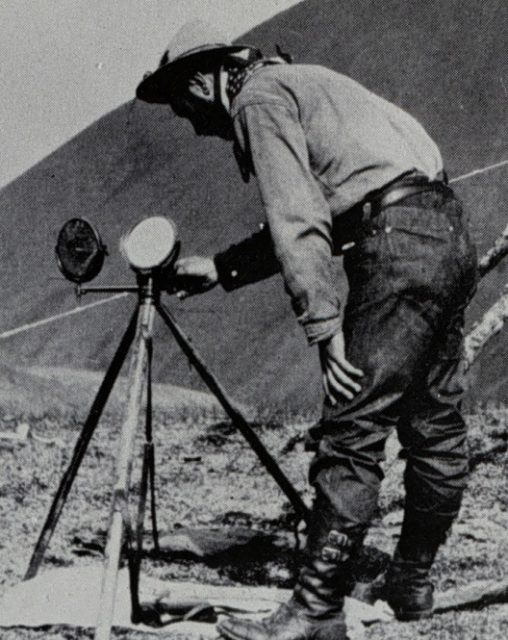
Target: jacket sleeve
<point x="298" y="215"/>
<point x="249" y="261"/>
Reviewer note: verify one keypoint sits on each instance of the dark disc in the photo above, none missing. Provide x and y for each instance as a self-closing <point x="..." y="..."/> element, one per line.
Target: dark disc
<point x="79" y="251"/>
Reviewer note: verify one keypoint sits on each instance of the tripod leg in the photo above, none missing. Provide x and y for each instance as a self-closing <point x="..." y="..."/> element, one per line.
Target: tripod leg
<point x="153" y="511"/>
<point x="80" y="449"/>
<point x="149" y="447"/>
<point x="135" y="548"/>
<point x="235" y="414"/>
<point x="119" y="507"/>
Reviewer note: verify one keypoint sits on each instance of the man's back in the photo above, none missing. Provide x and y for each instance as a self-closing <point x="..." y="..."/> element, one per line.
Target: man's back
<point x="356" y="141"/>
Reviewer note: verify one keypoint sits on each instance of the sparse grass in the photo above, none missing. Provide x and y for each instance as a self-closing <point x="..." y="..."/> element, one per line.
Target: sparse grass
<point x="206" y="473"/>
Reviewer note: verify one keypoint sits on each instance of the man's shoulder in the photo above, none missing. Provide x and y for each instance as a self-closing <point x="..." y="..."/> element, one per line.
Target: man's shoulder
<point x="281" y="84"/>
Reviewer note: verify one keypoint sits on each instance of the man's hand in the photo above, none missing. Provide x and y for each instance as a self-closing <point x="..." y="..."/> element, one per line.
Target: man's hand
<point x="195" y="274"/>
<point x="339" y="375"/>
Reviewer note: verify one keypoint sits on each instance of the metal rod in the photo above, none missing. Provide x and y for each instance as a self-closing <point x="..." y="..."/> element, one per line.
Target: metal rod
<point x="235" y="414"/>
<point x="80" y="448"/>
<point x="119" y="506"/>
<point x="81" y="291"/>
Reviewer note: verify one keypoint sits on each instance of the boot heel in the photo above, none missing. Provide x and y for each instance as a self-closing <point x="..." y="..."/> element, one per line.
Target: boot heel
<point x="411" y="601"/>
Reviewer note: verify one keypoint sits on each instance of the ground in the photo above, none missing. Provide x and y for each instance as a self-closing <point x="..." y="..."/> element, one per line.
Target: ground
<point x="206" y="474"/>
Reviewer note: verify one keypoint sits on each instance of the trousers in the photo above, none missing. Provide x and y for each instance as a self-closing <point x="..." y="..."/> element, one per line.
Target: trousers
<point x="410" y="279"/>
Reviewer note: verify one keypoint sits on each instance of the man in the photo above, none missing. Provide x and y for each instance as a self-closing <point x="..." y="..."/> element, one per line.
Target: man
<point x="342" y="170"/>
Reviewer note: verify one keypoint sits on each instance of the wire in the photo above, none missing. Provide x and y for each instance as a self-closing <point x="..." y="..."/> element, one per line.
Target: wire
<point x="477" y="172"/>
<point x="59" y="316"/>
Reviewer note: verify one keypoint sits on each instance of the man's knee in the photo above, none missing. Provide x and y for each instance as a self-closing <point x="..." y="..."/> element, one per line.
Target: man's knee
<point x="348" y="445"/>
<point x="346" y="474"/>
<point x="349" y="492"/>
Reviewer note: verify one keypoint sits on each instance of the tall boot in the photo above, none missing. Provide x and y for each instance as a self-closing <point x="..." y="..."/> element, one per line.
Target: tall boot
<point x="407" y="587"/>
<point x="315" y="610"/>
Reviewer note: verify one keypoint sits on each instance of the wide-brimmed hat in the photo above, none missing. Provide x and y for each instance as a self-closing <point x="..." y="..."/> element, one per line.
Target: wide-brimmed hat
<point x="195" y="40"/>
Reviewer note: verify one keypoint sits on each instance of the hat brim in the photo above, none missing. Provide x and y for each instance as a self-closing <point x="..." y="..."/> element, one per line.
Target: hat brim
<point x="158" y="87"/>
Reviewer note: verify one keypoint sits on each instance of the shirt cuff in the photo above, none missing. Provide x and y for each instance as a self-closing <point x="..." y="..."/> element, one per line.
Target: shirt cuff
<point x="320" y="330"/>
<point x="227" y="272"/>
<point x="251" y="260"/>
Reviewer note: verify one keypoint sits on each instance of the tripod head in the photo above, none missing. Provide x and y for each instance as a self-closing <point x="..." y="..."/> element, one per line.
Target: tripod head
<point x="150" y="247"/>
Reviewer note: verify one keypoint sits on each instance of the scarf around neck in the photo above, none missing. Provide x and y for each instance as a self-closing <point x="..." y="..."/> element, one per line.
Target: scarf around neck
<point x="238" y="74"/>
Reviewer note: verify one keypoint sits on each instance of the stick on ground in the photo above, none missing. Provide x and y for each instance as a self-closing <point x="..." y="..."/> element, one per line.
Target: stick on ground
<point x="475" y="596"/>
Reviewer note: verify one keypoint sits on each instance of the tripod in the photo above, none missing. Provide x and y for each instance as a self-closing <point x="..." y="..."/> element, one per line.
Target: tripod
<point x="139" y="332"/>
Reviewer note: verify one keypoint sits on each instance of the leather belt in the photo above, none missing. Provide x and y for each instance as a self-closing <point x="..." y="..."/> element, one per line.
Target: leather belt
<point x="405" y="186"/>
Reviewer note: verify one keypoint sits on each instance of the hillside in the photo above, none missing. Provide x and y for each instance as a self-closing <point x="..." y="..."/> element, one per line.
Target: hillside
<point x="449" y="67"/>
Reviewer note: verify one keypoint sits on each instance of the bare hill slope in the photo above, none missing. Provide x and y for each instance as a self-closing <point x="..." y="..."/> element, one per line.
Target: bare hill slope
<point x="447" y="65"/>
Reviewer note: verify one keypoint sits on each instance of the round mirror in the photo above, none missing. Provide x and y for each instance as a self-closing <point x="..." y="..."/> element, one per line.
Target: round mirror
<point x="151" y="244"/>
<point x="79" y="251"/>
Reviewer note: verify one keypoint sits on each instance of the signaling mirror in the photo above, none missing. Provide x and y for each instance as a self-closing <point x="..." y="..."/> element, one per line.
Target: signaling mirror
<point x="151" y="244"/>
<point x="79" y="251"/>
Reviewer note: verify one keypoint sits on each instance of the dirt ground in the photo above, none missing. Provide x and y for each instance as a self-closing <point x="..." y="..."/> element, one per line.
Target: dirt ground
<point x="206" y="474"/>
